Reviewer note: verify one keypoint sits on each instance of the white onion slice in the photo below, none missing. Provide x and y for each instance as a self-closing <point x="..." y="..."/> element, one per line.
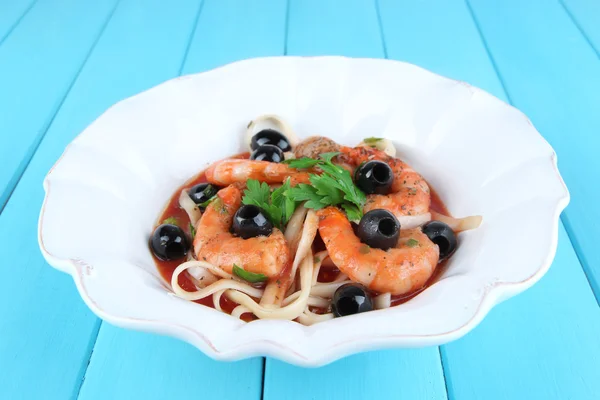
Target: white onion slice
<point x="459" y="224"/>
<point x="188" y="205"/>
<point x="413" y="221"/>
<point x="201" y="276"/>
<point x="382" y="301"/>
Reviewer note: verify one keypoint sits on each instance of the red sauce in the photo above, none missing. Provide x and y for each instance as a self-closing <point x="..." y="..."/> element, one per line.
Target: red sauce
<point x="326" y="273"/>
<point x="166" y="268"/>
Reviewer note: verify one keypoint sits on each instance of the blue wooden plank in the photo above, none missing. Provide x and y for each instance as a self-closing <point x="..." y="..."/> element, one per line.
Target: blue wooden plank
<point x="145" y="366"/>
<point x="440" y="36"/>
<point x="46" y="331"/>
<point x="551" y="73"/>
<point x="526" y="334"/>
<point x="540" y="345"/>
<point x="38" y="62"/>
<point x="218" y="39"/>
<point x="586" y="15"/>
<point x="339" y="27"/>
<point x="350" y="29"/>
<point x="11" y="13"/>
<point x="152" y="366"/>
<point x="407" y="374"/>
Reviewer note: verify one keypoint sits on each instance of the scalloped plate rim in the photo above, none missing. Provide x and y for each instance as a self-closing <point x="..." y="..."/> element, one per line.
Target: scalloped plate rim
<point x="492" y="295"/>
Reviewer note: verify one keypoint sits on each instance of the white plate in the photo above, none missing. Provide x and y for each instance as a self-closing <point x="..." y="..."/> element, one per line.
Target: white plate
<point x="483" y="157"/>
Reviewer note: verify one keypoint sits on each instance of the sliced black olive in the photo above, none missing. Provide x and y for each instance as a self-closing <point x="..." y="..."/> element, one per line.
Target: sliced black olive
<point x="374" y="177"/>
<point x="169" y="242"/>
<point x="202" y="192"/>
<point x="442" y="235"/>
<point x="272" y="137"/>
<point x="249" y="221"/>
<point x="267" y="152"/>
<point x="349" y="299"/>
<point x="379" y="229"/>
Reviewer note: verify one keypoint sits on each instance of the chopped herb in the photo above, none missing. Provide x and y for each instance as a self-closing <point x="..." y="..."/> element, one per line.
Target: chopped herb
<point x="170" y="220"/>
<point x="412" y="243"/>
<point x="302" y="163"/>
<point x="276" y="205"/>
<point x="207" y="202"/>
<point x="372" y="141"/>
<point x="248" y="276"/>
<point x="192" y="230"/>
<point x="316" y="259"/>
<point x="364" y="249"/>
<point x="220" y="206"/>
<point x="304" y="192"/>
<point x="333" y="187"/>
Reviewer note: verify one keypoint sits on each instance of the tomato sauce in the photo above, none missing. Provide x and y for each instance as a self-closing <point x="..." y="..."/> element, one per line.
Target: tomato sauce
<point x="326" y="273"/>
<point x="166" y="268"/>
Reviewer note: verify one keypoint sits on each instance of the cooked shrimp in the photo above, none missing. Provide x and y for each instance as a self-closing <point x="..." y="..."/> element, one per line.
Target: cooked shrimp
<point x="399" y="270"/>
<point x="213" y="243"/>
<point x="410" y="197"/>
<point x="230" y="171"/>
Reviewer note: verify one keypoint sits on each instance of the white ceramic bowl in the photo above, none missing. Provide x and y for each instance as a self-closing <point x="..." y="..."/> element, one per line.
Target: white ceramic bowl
<point x="482" y="156"/>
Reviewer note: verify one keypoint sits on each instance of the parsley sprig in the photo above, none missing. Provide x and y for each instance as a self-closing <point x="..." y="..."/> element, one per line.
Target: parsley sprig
<point x="276" y="205"/>
<point x="333" y="187"/>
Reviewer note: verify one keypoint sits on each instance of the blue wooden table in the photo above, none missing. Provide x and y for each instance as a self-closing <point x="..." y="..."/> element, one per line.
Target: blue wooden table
<point x="63" y="62"/>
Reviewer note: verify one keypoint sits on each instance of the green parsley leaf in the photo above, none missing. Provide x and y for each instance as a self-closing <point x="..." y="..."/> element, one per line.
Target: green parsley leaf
<point x="171" y="220"/>
<point x="277" y="207"/>
<point x="328" y="188"/>
<point x="327" y="157"/>
<point x="257" y="193"/>
<point x="277" y="195"/>
<point x="364" y="249"/>
<point x="283" y="203"/>
<point x="304" y="192"/>
<point x="289" y="206"/>
<point x="192" y="230"/>
<point x="372" y="141"/>
<point x="333" y="187"/>
<point x="412" y="243"/>
<point x="248" y="276"/>
<point x="353" y="212"/>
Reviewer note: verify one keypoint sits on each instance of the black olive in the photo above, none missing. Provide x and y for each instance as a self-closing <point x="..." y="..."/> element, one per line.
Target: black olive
<point x="267" y="152"/>
<point x="249" y="221"/>
<point x="202" y="192"/>
<point x="374" y="177"/>
<point x="379" y="229"/>
<point x="272" y="137"/>
<point x="169" y="242"/>
<point x="349" y="299"/>
<point x="442" y="235"/>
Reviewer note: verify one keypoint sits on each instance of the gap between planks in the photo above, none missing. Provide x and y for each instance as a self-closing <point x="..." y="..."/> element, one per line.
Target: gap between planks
<point x="20" y="170"/>
<point x="17" y="21"/>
